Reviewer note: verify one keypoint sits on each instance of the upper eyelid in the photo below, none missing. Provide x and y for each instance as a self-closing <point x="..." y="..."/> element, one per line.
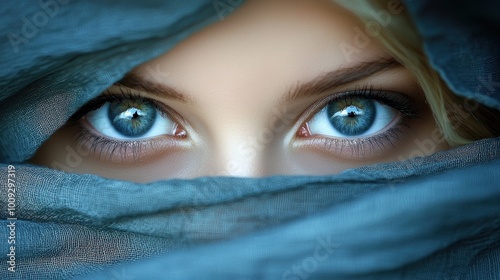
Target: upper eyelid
<point x="125" y="92"/>
<point x="338" y="77"/>
<point x="317" y="106"/>
<point x="137" y="82"/>
<point x="118" y="93"/>
<point x="325" y="82"/>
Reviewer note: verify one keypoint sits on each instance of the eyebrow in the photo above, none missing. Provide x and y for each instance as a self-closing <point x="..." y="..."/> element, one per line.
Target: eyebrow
<point x="325" y="82"/>
<point x="137" y="82"/>
<point x="336" y="78"/>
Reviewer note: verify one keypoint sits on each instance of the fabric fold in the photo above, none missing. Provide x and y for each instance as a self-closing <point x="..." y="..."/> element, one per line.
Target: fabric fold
<point x="461" y="41"/>
<point x="389" y="239"/>
<point x="221" y="212"/>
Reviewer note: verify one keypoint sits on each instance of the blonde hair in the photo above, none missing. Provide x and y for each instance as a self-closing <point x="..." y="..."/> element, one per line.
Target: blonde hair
<point x="402" y="40"/>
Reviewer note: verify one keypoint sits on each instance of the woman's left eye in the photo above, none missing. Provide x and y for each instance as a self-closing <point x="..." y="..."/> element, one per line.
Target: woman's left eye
<point x="130" y="119"/>
<point x="350" y="117"/>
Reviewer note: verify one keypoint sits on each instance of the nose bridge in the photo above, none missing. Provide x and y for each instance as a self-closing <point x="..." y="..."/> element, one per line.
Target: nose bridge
<point x="240" y="134"/>
<point x="249" y="143"/>
<point x="241" y="153"/>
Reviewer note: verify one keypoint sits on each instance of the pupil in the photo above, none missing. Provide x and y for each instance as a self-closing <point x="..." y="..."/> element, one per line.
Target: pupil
<point x="352" y="117"/>
<point x="132" y="118"/>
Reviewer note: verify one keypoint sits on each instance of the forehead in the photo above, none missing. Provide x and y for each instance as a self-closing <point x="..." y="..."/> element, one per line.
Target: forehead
<point x="294" y="38"/>
<point x="260" y="51"/>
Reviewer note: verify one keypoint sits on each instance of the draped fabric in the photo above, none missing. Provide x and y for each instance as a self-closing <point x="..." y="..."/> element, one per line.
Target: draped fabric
<point x="434" y="217"/>
<point x="461" y="40"/>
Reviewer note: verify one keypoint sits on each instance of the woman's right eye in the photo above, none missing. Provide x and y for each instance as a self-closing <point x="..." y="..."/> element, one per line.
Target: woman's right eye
<point x="130" y="119"/>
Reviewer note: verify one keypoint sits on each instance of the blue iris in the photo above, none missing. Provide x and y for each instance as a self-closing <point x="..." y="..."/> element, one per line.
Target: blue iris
<point x="132" y="118"/>
<point x="352" y="116"/>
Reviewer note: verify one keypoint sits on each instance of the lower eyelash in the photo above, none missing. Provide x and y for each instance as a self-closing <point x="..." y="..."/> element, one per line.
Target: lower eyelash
<point x="104" y="147"/>
<point x="117" y="151"/>
<point x="358" y="148"/>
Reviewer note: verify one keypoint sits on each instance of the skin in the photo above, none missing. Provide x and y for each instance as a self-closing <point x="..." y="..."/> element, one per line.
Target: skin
<point x="234" y="75"/>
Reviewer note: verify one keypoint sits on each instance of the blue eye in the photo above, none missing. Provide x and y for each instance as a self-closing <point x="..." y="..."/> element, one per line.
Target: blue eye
<point x="130" y="119"/>
<point x="352" y="117"/>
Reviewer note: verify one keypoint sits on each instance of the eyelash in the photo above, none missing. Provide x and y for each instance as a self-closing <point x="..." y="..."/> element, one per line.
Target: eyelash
<point x="103" y="146"/>
<point x="106" y="147"/>
<point x="361" y="146"/>
<point x="123" y="93"/>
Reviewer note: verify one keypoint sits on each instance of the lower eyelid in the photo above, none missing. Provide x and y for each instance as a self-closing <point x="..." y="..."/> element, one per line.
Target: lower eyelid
<point x="355" y="148"/>
<point x="117" y="151"/>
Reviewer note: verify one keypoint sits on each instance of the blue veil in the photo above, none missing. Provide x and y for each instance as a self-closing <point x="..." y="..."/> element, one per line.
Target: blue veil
<point x="434" y="217"/>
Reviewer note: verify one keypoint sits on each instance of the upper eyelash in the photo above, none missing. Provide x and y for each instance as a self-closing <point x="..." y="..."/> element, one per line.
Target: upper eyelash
<point x="399" y="101"/>
<point x="109" y="96"/>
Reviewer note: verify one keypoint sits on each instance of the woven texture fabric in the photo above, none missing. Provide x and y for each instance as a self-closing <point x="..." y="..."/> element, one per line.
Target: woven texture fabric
<point x="415" y="219"/>
<point x="435" y="217"/>
<point x="461" y="40"/>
